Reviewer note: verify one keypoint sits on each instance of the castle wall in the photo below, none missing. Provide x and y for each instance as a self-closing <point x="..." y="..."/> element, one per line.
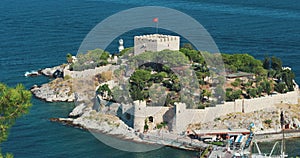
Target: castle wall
<point x="184" y="116"/>
<point x="123" y="111"/>
<point x="89" y="72"/>
<point x="138" y="111"/>
<point x="142" y="112"/>
<point x="171" y="43"/>
<point x="142" y="45"/>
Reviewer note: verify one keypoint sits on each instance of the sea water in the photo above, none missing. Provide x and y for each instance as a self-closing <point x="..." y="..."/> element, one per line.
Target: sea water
<point x="37" y="33"/>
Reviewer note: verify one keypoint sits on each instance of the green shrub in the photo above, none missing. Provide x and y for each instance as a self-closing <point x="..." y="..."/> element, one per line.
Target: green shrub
<point x="201" y="106"/>
<point x="146" y="127"/>
<point x="268" y="121"/>
<point x="235" y="84"/>
<point x="159" y="126"/>
<point x="229" y="89"/>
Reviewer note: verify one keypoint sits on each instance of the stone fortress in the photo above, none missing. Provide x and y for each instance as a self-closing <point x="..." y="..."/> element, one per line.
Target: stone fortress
<point x="178" y="118"/>
<point x="155" y="42"/>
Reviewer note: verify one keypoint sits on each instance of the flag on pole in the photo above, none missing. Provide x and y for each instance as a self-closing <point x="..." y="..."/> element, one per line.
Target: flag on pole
<point x="156" y="21"/>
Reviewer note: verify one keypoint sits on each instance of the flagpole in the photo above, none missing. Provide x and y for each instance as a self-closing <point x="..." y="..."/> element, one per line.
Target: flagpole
<point x="157" y="27"/>
<point x="156" y="21"/>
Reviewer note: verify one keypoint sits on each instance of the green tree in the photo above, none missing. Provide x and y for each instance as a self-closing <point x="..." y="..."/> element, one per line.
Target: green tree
<point x="188" y="46"/>
<point x="259" y="90"/>
<point x="248" y="84"/>
<point x="233" y="95"/>
<point x="104" y="56"/>
<point x="157" y="77"/>
<point x="280" y="87"/>
<point x="136" y="93"/>
<point x="14" y="102"/>
<point x="235" y="84"/>
<point x="236" y="94"/>
<point x="271" y="73"/>
<point x="266" y="63"/>
<point x="276" y="63"/>
<point x="139" y="81"/>
<point x="175" y="87"/>
<point x="228" y="96"/>
<point x="261" y="71"/>
<point x="193" y="55"/>
<point x="242" y="62"/>
<point x="104" y="88"/>
<point x="266" y="86"/>
<point x="288" y="76"/>
<point x="69" y="58"/>
<point x="252" y="92"/>
<point x="268" y="89"/>
<point x="91" y="59"/>
<point x="140" y="76"/>
<point x="208" y="94"/>
<point x="125" y="51"/>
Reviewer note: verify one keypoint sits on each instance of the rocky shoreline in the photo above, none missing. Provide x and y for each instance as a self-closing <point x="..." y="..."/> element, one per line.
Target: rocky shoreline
<point x="128" y="134"/>
<point x="84" y="117"/>
<point x="57" y="90"/>
<point x="48" y="92"/>
<point x="89" y="120"/>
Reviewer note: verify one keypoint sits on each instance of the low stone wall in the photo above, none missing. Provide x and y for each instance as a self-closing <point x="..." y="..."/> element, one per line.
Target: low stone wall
<point x="89" y="72"/>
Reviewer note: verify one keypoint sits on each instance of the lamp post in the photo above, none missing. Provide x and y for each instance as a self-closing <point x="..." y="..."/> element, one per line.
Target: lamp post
<point x="283" y="141"/>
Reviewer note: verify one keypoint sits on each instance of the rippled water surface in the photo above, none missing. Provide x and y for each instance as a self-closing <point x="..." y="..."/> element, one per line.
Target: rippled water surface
<point x="37" y="33"/>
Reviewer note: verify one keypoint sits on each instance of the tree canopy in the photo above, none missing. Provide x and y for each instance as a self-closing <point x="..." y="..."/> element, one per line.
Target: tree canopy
<point x="91" y="59"/>
<point x="14" y="102"/>
<point x="160" y="68"/>
<point x="242" y="62"/>
<point x="276" y="63"/>
<point x="69" y="58"/>
<point x="284" y="77"/>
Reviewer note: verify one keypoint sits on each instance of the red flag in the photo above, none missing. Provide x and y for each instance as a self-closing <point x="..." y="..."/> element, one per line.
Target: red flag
<point x="155" y="19"/>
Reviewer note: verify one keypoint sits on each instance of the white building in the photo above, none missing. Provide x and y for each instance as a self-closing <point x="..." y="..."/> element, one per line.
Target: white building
<point x="155" y="42"/>
<point x="121" y="45"/>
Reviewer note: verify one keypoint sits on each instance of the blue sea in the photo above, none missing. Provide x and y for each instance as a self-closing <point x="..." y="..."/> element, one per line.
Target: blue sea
<point x="35" y="34"/>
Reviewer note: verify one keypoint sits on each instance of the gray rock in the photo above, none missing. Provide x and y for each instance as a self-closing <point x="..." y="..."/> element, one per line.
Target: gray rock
<point x="50" y="71"/>
<point x="77" y="111"/>
<point x="49" y="94"/>
<point x="296" y="122"/>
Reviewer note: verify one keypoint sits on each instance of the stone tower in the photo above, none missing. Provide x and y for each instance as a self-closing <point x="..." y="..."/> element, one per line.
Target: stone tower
<point x="155" y="42"/>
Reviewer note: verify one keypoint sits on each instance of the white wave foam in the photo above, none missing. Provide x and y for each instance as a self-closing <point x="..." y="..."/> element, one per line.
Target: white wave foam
<point x="31" y="73"/>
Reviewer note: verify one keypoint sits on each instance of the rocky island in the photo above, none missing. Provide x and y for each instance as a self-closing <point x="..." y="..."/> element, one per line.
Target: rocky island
<point x="143" y="94"/>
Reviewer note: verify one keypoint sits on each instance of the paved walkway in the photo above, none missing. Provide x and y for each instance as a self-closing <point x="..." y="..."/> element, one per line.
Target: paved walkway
<point x="174" y="140"/>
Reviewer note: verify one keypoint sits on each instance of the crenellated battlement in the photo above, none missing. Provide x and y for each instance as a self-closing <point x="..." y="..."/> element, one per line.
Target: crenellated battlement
<point x="155" y="42"/>
<point x="157" y="38"/>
